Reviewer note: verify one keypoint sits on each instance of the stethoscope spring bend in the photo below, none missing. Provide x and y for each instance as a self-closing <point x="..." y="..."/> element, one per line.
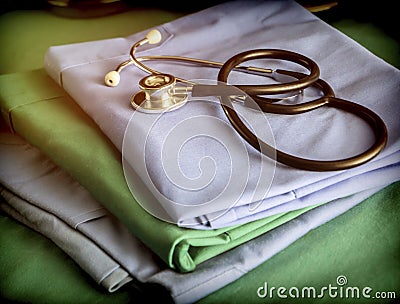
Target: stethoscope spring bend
<point x="160" y="92"/>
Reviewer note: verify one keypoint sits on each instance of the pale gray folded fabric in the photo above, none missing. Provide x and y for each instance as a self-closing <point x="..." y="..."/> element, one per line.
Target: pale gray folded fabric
<point x="217" y="34"/>
<point x="34" y="187"/>
<point x="92" y="259"/>
<point x="32" y="176"/>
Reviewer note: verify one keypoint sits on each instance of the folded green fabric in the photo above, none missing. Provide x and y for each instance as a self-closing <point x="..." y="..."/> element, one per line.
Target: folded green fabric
<point x="37" y="109"/>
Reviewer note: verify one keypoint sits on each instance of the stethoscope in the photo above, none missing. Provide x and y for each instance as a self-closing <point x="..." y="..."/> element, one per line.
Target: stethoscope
<point x="160" y="92"/>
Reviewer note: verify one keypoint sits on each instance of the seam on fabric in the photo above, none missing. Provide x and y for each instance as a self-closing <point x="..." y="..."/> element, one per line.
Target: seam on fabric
<point x="10" y="122"/>
<point x="86" y="63"/>
<point x="228" y="235"/>
<point x="108" y="273"/>
<point x="60" y="79"/>
<point x="10" y="116"/>
<point x="33" y="102"/>
<point x="45" y="173"/>
<point x="86" y="217"/>
<point x="244" y="270"/>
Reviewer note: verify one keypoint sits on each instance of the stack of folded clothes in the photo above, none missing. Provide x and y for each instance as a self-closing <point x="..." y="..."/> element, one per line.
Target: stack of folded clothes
<point x="85" y="191"/>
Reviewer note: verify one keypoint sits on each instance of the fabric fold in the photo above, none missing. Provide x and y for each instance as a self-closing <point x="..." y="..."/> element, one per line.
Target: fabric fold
<point x="93" y="260"/>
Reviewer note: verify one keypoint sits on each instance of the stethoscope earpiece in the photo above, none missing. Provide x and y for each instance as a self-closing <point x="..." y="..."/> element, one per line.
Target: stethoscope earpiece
<point x="154" y="37"/>
<point x="112" y="79"/>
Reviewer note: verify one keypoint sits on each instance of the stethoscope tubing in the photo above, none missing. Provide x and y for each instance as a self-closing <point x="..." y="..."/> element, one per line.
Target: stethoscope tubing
<point x="269" y="105"/>
<point x="266" y="89"/>
<point x="329" y="99"/>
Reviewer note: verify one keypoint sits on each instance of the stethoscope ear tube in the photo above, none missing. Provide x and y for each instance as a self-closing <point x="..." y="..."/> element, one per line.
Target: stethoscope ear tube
<point x="271" y="89"/>
<point x="294" y="109"/>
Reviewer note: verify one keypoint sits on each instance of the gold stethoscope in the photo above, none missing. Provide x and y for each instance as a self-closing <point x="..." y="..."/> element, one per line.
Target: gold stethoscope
<point x="160" y="92"/>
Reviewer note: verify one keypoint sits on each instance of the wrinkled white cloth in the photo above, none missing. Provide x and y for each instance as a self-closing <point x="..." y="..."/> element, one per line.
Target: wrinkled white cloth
<point x="171" y="152"/>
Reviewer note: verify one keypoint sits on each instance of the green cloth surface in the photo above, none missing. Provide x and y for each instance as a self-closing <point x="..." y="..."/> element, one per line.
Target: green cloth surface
<point x="30" y="33"/>
<point x="362" y="244"/>
<point x="373" y="38"/>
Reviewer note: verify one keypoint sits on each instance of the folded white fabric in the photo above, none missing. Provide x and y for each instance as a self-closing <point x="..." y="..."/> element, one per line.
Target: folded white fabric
<point x="197" y="131"/>
<point x="46" y="198"/>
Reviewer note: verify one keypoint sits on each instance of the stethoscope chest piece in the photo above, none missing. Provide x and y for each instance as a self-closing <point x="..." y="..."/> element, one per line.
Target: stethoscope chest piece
<point x="157" y="94"/>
